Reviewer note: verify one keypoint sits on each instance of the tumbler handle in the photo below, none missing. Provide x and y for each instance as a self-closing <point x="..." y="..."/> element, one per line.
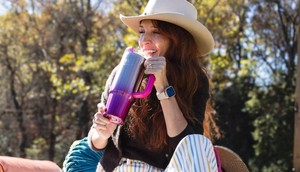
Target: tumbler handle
<point x="147" y="90"/>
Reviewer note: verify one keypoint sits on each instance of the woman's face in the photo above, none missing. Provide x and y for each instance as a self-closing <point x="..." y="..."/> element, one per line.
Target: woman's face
<point x="151" y="41"/>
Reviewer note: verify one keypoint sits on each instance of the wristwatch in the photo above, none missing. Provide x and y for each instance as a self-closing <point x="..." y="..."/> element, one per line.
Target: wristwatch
<point x="167" y="93"/>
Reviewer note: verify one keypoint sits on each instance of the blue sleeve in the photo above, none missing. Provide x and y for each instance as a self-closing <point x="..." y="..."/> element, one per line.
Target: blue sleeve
<point x="82" y="158"/>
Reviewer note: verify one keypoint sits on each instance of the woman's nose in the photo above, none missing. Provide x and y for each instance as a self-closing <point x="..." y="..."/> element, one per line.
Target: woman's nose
<point x="146" y="38"/>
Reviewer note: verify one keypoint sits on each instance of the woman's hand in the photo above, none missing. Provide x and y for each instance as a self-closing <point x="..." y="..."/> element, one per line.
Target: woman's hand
<point x="156" y="65"/>
<point x="104" y="129"/>
<point x="103" y="126"/>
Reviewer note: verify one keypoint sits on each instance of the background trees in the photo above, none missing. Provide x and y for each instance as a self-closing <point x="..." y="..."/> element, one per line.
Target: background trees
<point x="55" y="57"/>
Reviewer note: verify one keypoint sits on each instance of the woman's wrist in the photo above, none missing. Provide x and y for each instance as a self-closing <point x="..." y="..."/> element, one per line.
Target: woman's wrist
<point x="162" y="86"/>
<point x="98" y="142"/>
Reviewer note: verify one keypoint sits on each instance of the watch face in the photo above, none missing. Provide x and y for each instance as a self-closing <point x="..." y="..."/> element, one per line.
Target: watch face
<point x="170" y="91"/>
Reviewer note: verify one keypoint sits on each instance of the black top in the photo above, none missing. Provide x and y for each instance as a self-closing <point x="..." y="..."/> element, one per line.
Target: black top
<point x="133" y="149"/>
<point x="121" y="145"/>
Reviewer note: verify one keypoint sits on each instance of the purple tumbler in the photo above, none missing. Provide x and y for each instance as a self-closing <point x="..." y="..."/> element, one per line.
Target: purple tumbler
<point x="127" y="80"/>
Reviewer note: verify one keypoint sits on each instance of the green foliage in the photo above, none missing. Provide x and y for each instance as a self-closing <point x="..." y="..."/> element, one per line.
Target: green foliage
<point x="253" y="79"/>
<point x="37" y="149"/>
<point x="274" y="119"/>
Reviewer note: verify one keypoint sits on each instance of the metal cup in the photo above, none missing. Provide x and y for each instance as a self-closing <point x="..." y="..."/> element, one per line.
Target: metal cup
<point x="127" y="80"/>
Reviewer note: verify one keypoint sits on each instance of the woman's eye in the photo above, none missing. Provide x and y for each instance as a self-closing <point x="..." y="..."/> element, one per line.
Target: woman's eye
<point x="141" y="32"/>
<point x="156" y="32"/>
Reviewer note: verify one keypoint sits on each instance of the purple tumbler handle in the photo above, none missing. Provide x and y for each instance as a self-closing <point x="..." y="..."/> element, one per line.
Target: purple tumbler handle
<point x="147" y="90"/>
<point x="149" y="84"/>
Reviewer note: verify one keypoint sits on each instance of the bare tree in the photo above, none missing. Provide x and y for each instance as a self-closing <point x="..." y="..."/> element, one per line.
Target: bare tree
<point x="296" y="160"/>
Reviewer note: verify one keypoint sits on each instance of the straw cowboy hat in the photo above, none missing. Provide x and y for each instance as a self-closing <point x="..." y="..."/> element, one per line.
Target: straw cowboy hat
<point x="178" y="12"/>
<point x="230" y="161"/>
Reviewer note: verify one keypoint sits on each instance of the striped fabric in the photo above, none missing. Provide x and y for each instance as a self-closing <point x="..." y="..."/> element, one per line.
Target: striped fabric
<point x="194" y="153"/>
<point x="127" y="165"/>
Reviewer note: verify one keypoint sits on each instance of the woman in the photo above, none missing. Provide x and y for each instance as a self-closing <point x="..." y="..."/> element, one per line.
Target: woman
<point x="163" y="132"/>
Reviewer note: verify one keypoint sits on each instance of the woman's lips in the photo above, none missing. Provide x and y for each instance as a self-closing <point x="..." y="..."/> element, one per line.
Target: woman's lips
<point x="149" y="52"/>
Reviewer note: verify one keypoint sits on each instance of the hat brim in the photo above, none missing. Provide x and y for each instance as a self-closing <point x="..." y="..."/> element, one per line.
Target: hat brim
<point x="202" y="36"/>
<point x="230" y="161"/>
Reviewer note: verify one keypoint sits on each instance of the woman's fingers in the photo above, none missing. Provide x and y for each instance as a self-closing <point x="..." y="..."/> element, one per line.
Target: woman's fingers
<point x="157" y="67"/>
<point x="155" y="61"/>
<point x="101" y="119"/>
<point x="101" y="108"/>
<point x="103" y="126"/>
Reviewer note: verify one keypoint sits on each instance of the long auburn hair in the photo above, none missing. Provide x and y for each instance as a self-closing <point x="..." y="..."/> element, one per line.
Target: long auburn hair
<point x="146" y="120"/>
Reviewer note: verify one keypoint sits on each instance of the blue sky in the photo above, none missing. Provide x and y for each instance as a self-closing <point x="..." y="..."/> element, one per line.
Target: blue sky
<point x="3" y="7"/>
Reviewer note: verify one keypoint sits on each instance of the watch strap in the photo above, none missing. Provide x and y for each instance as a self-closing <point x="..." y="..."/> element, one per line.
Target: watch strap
<point x="167" y="93"/>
